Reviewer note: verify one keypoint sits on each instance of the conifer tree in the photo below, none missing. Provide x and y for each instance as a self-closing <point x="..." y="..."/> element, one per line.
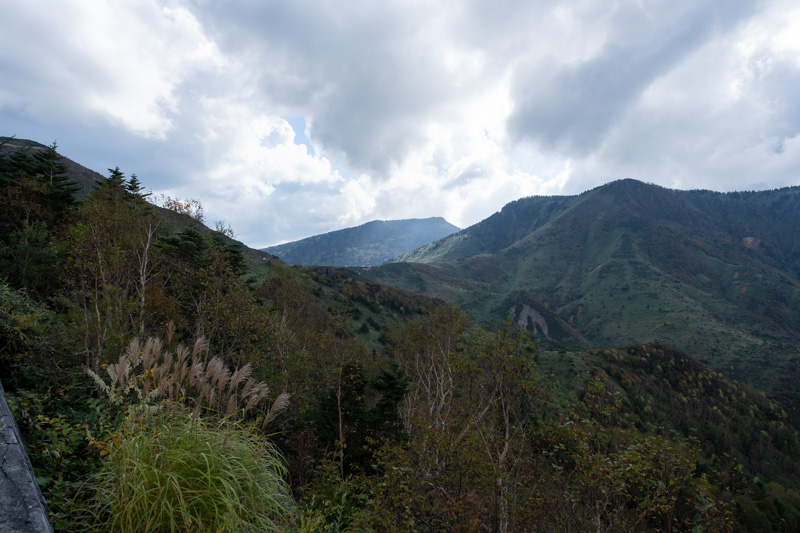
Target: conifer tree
<point x="135" y="187"/>
<point x="114" y="182"/>
<point x="16" y="163"/>
<point x="48" y="167"/>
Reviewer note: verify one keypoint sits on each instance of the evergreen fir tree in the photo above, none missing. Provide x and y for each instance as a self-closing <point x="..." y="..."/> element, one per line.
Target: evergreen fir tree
<point x="15" y="165"/>
<point x="112" y="189"/>
<point x="233" y="253"/>
<point x="115" y="179"/>
<point x="135" y="187"/>
<point x="47" y="166"/>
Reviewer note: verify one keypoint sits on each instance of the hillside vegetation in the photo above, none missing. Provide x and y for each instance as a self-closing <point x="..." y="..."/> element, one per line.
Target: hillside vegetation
<point x="163" y="381"/>
<point x="715" y="275"/>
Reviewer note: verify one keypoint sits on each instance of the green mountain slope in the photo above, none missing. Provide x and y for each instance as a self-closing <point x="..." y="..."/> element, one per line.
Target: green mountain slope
<point x="716" y="275"/>
<point x="370" y="244"/>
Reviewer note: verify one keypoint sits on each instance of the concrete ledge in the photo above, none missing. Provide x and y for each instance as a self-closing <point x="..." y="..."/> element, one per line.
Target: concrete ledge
<point x="22" y="506"/>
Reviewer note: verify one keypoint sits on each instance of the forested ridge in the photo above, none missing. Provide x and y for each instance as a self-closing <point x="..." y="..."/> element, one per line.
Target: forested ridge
<point x="716" y="275"/>
<point x="165" y="378"/>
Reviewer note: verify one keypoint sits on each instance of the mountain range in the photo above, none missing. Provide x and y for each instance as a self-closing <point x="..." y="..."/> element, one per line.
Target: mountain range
<point x="369" y="244"/>
<point x="716" y="275"/>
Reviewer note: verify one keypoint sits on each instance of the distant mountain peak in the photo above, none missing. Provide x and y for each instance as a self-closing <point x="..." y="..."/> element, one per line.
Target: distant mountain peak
<point x="370" y="244"/>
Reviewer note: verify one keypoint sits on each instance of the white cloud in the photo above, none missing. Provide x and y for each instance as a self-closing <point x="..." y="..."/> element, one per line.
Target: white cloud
<point x="411" y="109"/>
<point x="249" y="160"/>
<point x="121" y="60"/>
<point x="724" y="118"/>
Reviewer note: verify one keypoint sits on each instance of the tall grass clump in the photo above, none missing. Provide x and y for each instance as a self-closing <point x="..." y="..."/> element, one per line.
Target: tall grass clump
<point x="148" y="377"/>
<point x="184" y="459"/>
<point x="183" y="475"/>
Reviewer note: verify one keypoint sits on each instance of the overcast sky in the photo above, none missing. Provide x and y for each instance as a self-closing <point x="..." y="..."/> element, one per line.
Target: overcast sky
<point x="292" y="118"/>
